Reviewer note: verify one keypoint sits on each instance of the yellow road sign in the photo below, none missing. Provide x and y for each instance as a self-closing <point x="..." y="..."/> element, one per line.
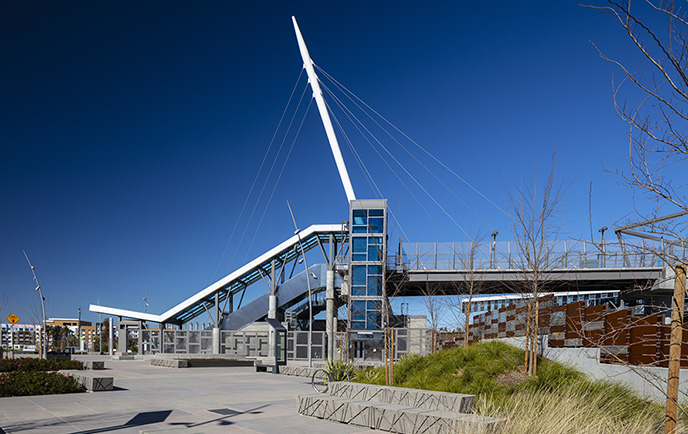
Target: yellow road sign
<point x="13" y="318"/>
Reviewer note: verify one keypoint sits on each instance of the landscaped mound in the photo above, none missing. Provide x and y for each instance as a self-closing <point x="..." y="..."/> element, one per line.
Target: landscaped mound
<point x="559" y="400"/>
<point x="27" y="376"/>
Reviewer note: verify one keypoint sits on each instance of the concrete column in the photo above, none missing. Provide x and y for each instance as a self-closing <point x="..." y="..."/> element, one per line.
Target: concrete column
<point x="272" y="306"/>
<point x="217" y="310"/>
<point x="330" y="323"/>
<point x="111" y="337"/>
<point x="216" y="340"/>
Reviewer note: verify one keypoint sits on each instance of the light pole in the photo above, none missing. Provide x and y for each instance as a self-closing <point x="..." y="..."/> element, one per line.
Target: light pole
<point x="493" y="249"/>
<point x="44" y="340"/>
<point x="604" y="249"/>
<point x="297" y="232"/>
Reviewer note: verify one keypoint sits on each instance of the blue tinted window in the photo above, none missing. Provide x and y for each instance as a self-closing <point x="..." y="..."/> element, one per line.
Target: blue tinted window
<point x="373" y="320"/>
<point x="373" y="253"/>
<point x="374" y="269"/>
<point x="376" y="212"/>
<point x="359" y="244"/>
<point x="358" y="291"/>
<point x="358" y="325"/>
<point x="358" y="309"/>
<point x="376" y="225"/>
<point x="359" y="217"/>
<point x="374" y="285"/>
<point x="358" y="275"/>
<point x="360" y="229"/>
<point x="375" y="241"/>
<point x="358" y="257"/>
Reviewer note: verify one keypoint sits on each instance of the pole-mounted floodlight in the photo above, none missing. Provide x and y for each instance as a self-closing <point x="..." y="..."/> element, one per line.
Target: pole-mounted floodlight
<point x="604" y="248"/>
<point x="493" y="249"/>
<point x="44" y="335"/>
<point x="297" y="232"/>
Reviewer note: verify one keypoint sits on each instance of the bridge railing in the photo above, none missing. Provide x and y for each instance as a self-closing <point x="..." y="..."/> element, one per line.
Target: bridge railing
<point x="506" y="255"/>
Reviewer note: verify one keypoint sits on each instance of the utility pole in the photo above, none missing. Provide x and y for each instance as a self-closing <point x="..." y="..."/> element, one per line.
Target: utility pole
<point x="675" y="348"/>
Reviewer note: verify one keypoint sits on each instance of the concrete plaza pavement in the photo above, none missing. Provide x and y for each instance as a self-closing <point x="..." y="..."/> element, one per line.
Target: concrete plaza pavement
<point x="205" y="400"/>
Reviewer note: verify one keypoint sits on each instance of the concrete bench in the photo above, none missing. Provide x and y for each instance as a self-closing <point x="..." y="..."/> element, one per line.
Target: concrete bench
<point x="263" y="367"/>
<point x="95" y="365"/>
<point x="395" y="409"/>
<point x="91" y="381"/>
<point x="298" y="371"/>
<point x="169" y="363"/>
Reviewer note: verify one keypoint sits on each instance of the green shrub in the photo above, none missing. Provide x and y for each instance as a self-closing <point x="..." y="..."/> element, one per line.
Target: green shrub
<point x="29" y="364"/>
<point x="337" y="370"/>
<point x="369" y="376"/>
<point x="25" y="383"/>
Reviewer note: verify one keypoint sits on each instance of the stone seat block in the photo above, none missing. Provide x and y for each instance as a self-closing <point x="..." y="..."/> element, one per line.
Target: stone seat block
<point x="94" y="365"/>
<point x="170" y="363"/>
<point x="431" y="400"/>
<point x="91" y="381"/>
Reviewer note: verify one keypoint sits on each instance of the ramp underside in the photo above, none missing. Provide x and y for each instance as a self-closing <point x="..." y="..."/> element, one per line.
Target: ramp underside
<point x="288" y="294"/>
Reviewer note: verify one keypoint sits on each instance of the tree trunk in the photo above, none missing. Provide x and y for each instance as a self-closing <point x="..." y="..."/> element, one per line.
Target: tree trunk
<point x="526" y="364"/>
<point x="675" y="348"/>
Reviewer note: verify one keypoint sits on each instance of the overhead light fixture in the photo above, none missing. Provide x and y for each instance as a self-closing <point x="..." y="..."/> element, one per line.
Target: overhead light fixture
<point x="313" y="275"/>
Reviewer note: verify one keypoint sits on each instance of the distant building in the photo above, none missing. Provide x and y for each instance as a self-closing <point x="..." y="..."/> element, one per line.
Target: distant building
<point x="480" y="303"/>
<point x="20" y="336"/>
<point x="88" y="330"/>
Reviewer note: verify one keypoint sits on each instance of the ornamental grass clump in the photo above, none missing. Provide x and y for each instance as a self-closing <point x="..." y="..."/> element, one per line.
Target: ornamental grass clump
<point x="558" y="400"/>
<point x="25" y="383"/>
<point x="571" y="410"/>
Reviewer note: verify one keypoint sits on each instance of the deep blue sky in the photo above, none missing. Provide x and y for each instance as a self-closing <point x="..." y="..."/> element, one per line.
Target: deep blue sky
<point x="130" y="132"/>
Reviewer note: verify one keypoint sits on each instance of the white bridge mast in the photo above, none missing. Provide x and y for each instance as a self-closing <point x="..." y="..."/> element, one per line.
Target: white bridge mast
<point x="327" y="123"/>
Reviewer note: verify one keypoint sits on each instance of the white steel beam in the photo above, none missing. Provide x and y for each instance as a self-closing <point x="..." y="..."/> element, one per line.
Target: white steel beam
<point x="324" y="115"/>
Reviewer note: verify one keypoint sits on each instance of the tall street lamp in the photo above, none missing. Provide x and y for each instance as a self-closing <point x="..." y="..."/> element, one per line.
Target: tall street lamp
<point x="44" y="340"/>
<point x="297" y="232"/>
<point x="604" y="249"/>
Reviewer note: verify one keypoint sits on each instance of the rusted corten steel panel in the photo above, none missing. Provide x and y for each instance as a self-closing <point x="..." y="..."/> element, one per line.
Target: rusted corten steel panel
<point x="643" y="340"/>
<point x="574" y="320"/>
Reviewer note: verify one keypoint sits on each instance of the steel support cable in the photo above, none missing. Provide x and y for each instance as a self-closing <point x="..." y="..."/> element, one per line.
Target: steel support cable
<point x="407" y="173"/>
<point x="360" y="162"/>
<point x="260" y="169"/>
<point x="401" y="181"/>
<point x="310" y="102"/>
<point x="364" y="168"/>
<point x="433" y="174"/>
<point x="267" y="178"/>
<point x="347" y="91"/>
<point x="394" y="216"/>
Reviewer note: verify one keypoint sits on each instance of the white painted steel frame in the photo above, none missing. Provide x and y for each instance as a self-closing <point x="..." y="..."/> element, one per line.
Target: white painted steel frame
<point x="322" y="108"/>
<point x="171" y="313"/>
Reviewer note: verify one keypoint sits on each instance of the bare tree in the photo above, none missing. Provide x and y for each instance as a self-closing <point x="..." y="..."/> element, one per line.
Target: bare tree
<point x="536" y="215"/>
<point x="467" y="287"/>
<point x="435" y="308"/>
<point x="657" y="116"/>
